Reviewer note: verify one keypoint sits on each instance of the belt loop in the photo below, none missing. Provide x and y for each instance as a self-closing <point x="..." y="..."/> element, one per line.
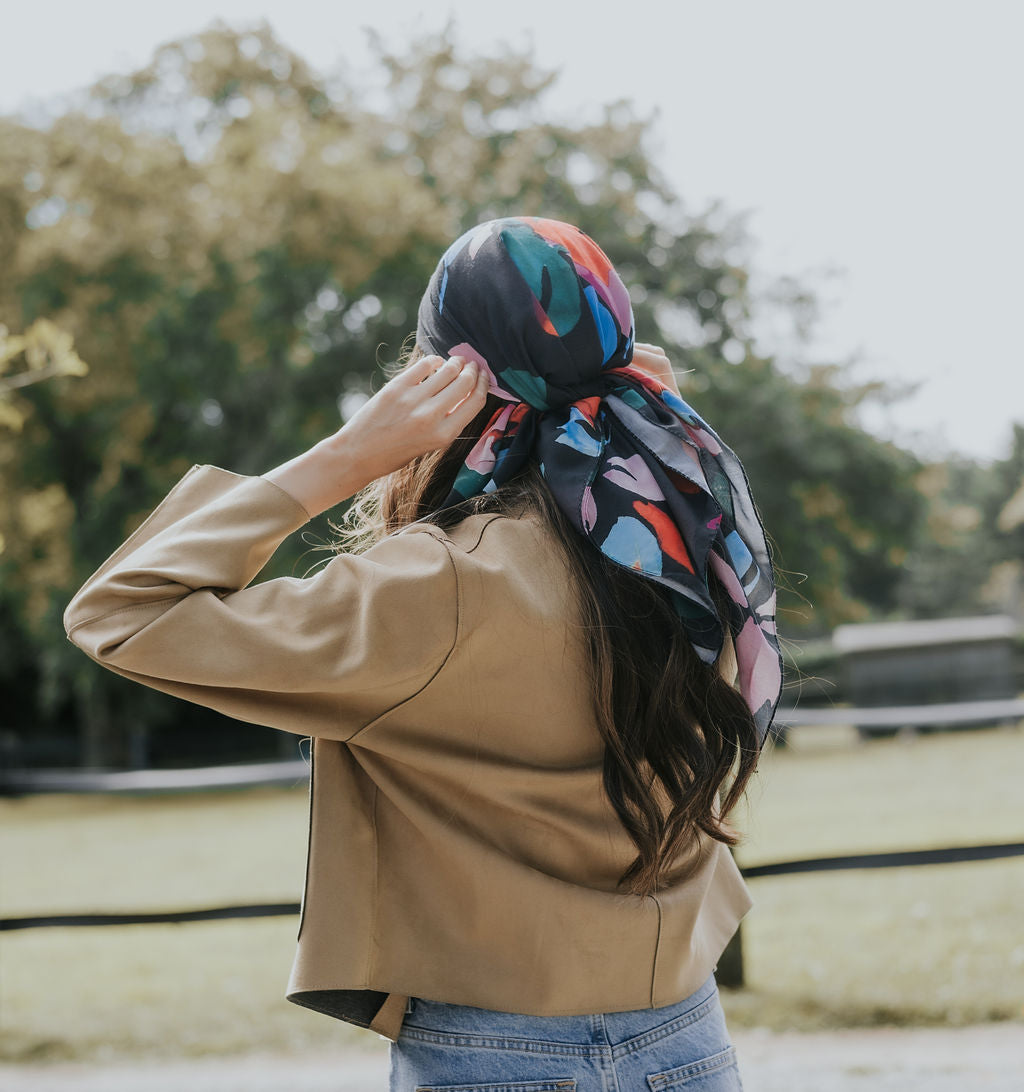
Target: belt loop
<point x="408" y="1006"/>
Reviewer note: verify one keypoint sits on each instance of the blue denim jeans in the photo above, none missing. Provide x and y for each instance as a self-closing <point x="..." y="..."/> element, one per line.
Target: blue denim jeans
<point x="456" y="1048"/>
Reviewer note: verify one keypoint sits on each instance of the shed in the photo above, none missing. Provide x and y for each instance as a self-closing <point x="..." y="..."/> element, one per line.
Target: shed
<point x="949" y="660"/>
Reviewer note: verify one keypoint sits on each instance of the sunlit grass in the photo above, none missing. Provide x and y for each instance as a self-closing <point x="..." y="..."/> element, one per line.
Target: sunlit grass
<point x="65" y="854"/>
<point x="938" y="944"/>
<point x="932" y="944"/>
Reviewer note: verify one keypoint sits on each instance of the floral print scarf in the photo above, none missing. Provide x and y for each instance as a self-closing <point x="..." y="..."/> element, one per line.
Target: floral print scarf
<point x="638" y="472"/>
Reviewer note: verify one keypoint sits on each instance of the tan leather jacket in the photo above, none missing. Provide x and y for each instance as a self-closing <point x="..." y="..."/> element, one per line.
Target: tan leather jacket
<point x="461" y="847"/>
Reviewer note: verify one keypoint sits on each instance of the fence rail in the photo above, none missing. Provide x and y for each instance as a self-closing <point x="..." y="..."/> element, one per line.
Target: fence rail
<point x="896" y="716"/>
<point x="894" y="859"/>
<point x="730" y="969"/>
<point x="293" y="771"/>
<point x="205" y="778"/>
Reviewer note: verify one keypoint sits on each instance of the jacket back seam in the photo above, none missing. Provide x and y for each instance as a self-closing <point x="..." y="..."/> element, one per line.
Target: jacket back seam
<point x="657" y="952"/>
<point x="370" y="971"/>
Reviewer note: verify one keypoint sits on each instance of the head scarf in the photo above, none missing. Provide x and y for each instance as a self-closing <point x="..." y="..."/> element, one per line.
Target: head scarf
<point x="637" y="471"/>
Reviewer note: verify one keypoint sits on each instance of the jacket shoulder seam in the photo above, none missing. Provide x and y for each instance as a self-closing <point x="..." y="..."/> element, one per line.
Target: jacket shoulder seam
<point x="442" y="536"/>
<point x="479" y="537"/>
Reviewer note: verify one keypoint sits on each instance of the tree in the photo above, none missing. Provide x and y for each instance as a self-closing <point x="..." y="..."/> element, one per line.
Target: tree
<point x="966" y="556"/>
<point x="230" y="239"/>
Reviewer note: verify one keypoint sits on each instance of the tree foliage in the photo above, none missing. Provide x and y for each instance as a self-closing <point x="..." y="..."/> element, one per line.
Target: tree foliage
<point x="967" y="555"/>
<point x="231" y="240"/>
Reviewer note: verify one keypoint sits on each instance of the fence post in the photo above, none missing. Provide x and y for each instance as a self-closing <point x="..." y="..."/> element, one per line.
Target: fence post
<point x="730" y="962"/>
<point x="729" y="971"/>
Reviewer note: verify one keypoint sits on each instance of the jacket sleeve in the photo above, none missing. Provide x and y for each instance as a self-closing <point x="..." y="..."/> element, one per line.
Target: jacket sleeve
<point x="320" y="656"/>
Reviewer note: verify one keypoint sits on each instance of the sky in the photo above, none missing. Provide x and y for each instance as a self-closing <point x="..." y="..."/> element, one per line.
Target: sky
<point x="868" y="145"/>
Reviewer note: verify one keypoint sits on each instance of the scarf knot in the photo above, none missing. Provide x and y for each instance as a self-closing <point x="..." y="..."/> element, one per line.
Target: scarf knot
<point x="638" y="472"/>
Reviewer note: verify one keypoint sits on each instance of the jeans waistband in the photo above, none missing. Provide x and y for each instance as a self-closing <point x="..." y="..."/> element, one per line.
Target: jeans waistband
<point x="590" y="1028"/>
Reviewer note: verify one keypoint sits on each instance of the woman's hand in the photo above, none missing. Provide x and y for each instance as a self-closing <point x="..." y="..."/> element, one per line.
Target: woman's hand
<point x="421" y="409"/>
<point x="654" y="360"/>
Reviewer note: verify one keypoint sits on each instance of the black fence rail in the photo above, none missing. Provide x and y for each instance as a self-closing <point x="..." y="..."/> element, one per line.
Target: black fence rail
<point x="164" y="917"/>
<point x="892" y="859"/>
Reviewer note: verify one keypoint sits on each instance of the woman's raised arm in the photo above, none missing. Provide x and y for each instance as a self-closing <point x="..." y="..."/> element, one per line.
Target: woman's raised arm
<point x="421" y="409"/>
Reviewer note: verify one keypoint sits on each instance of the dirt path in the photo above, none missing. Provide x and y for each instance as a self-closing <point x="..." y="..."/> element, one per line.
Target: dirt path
<point x="985" y="1058"/>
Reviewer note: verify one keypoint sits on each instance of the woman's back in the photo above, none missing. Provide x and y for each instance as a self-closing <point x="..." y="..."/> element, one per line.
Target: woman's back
<point x="461" y="845"/>
<point x="497" y="854"/>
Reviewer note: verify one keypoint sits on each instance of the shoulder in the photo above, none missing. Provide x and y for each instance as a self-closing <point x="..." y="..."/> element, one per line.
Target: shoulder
<point x="505" y="566"/>
<point x="490" y="536"/>
<point x="496" y="560"/>
<point x="406" y="567"/>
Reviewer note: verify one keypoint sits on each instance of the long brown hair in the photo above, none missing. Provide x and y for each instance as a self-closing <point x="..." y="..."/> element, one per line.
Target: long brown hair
<point x="673" y="727"/>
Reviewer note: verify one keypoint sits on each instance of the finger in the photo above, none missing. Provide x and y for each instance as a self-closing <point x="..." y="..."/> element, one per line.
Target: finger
<point x="439" y="392"/>
<point x="648" y="362"/>
<point x="419" y="369"/>
<point x="445" y="373"/>
<point x="458" y="387"/>
<point x="655" y="362"/>
<point x="459" y="417"/>
<point x="656" y="350"/>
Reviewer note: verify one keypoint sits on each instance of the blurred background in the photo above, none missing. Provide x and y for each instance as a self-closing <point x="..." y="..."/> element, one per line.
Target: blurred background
<point x="216" y="222"/>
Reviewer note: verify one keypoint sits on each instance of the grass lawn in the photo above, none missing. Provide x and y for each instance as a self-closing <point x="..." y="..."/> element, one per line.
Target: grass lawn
<point x="934" y="944"/>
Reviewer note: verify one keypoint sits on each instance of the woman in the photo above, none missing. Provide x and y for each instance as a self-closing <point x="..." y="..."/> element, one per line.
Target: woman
<point x="519" y="695"/>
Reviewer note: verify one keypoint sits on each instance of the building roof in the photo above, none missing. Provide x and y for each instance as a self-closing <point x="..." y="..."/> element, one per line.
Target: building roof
<point x="939" y="631"/>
